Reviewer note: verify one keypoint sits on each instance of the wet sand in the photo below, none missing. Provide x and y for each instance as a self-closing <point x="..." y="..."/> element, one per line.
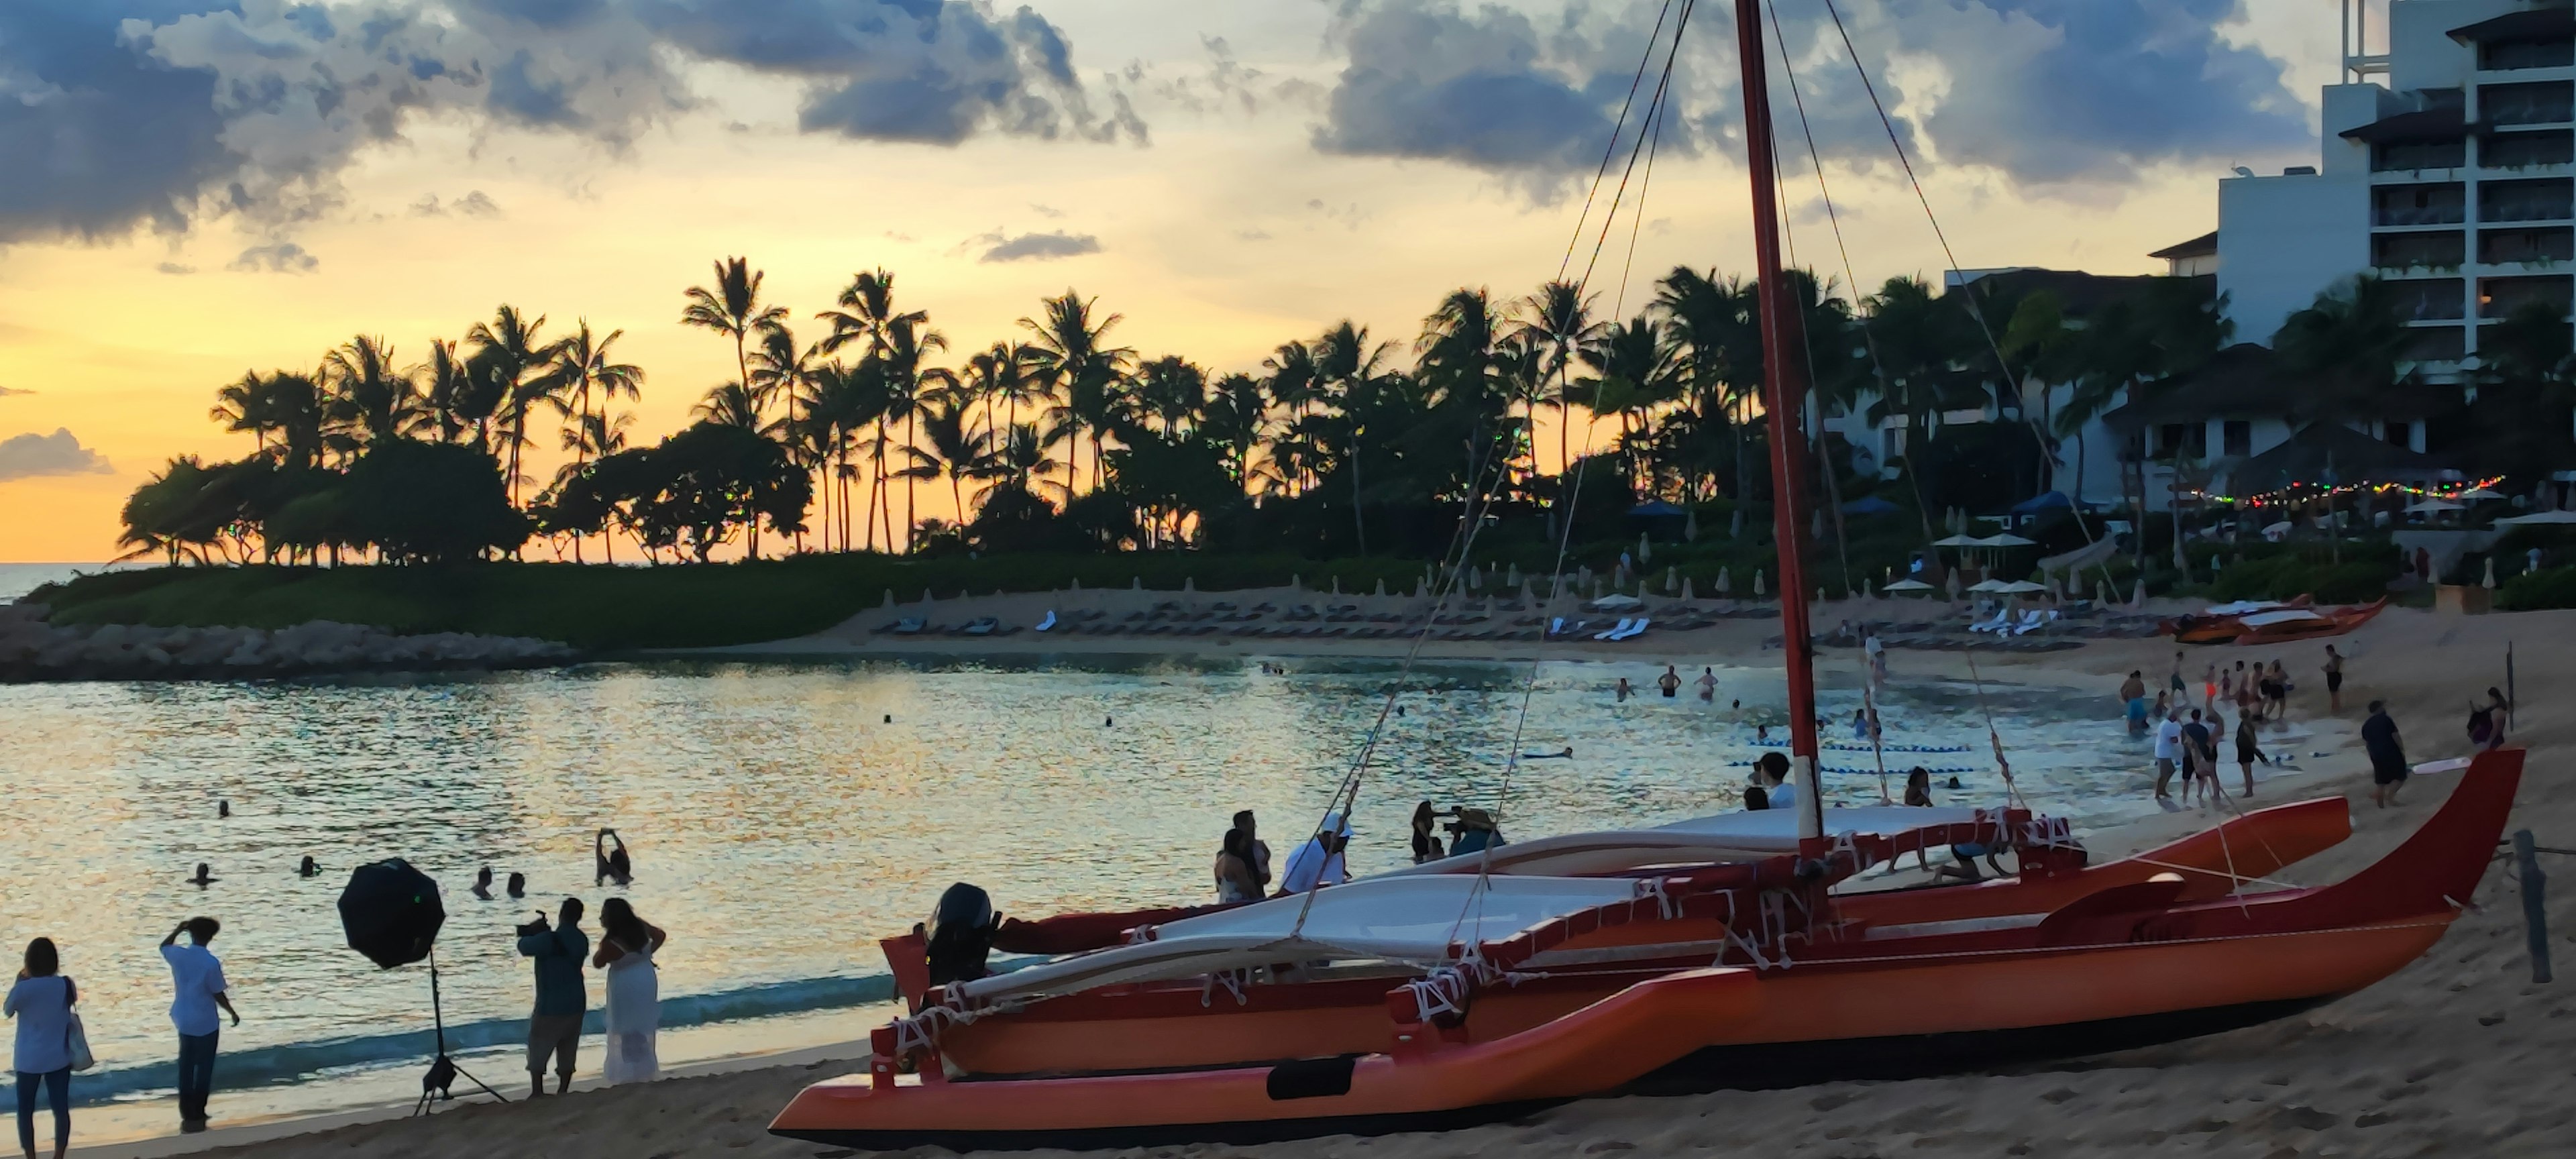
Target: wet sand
<point x="2457" y="1054"/>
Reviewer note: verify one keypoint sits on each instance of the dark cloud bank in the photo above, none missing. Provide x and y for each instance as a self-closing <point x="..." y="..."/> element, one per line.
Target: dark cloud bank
<point x="2047" y="91"/>
<point x="119" y="113"/>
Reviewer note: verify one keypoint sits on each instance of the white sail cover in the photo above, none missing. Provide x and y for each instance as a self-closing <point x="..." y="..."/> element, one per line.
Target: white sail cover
<point x="2285" y="616"/>
<point x="1410" y="919"/>
<point x="1724" y="837"/>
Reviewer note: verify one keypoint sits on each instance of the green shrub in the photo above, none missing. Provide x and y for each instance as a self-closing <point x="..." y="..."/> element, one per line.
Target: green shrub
<point x="2533" y="591"/>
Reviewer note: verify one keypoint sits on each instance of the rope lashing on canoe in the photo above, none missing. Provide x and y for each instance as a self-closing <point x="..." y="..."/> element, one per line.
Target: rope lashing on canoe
<point x="1442" y="991"/>
<point x="1231" y="981"/>
<point x="1665" y="904"/>
<point x="921" y="1031"/>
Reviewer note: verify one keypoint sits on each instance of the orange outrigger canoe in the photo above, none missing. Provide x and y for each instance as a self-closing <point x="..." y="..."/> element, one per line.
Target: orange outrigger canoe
<point x="1626" y="998"/>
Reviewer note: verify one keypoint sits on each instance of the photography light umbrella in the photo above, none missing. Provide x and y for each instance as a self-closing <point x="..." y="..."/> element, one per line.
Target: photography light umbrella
<point x="391" y="914"/>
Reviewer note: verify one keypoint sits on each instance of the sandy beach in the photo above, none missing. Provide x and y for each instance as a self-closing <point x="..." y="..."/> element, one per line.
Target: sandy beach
<point x="2458" y="1054"/>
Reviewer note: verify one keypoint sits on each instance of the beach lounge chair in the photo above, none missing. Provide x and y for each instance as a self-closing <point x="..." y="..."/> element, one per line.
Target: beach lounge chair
<point x="1047" y="624"/>
<point x="1632" y="631"/>
<point x="2003" y="619"/>
<point x="908" y="626"/>
<point x="1617" y="631"/>
<point x="1556" y="627"/>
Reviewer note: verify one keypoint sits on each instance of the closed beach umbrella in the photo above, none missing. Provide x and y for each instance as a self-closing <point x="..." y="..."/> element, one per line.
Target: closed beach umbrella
<point x="391" y="912"/>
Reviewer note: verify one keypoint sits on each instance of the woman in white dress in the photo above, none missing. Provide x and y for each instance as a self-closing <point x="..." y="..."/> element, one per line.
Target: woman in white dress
<point x="627" y="944"/>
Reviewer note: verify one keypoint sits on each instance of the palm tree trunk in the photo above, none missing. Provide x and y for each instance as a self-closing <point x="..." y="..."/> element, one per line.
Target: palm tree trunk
<point x="911" y="440"/>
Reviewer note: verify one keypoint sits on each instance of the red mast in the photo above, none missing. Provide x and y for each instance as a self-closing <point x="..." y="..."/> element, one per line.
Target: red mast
<point x="1784" y="381"/>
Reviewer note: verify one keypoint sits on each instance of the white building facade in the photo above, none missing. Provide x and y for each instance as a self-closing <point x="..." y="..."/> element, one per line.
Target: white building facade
<point x="2448" y="168"/>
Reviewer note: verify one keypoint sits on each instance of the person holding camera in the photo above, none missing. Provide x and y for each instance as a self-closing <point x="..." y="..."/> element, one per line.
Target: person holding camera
<point x="198" y="991"/>
<point x="554" y="1026"/>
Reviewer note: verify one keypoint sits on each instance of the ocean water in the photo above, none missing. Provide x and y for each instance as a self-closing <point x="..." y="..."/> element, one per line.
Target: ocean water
<point x="784" y="816"/>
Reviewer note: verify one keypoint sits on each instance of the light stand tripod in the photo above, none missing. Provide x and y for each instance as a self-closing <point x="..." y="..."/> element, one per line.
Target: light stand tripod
<point x="443" y="1071"/>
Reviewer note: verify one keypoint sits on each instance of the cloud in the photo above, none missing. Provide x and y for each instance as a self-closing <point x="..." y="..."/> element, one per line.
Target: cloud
<point x="116" y="114"/>
<point x="29" y="456"/>
<point x="7" y="391"/>
<point x="284" y="257"/>
<point x="176" y="269"/>
<point x="2045" y="92"/>
<point x="1040" y="247"/>
<point x="475" y="203"/>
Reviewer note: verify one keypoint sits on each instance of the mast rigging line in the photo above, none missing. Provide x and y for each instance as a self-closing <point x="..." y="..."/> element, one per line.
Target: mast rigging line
<point x="1612" y="149"/>
<point x="1975" y="310"/>
<point x="1658" y="107"/>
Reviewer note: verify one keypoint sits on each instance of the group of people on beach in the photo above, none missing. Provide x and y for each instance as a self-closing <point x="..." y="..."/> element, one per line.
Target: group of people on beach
<point x="51" y="1043"/>
<point x="2187" y="739"/>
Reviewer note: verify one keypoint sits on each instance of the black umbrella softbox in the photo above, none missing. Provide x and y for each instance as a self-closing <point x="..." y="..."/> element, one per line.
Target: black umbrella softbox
<point x="391" y="912"/>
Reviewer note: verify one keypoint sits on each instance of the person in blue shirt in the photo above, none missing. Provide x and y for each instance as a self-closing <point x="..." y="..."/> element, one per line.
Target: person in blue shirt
<point x="197" y="983"/>
<point x="554" y="1026"/>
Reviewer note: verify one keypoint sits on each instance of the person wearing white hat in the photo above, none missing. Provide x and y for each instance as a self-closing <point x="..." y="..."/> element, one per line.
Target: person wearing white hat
<point x="1318" y="862"/>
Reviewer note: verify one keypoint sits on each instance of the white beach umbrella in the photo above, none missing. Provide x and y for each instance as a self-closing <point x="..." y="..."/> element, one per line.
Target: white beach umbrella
<point x="2539" y="519"/>
<point x="2478" y="493"/>
<point x="1910" y="585"/>
<point x="2423" y="506"/>
<point x="2022" y="588"/>
<point x="2004" y="539"/>
<point x="1959" y="541"/>
<point x="1992" y="585"/>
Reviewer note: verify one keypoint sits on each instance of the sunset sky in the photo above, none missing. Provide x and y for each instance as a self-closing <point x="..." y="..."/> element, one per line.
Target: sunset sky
<point x="189" y="190"/>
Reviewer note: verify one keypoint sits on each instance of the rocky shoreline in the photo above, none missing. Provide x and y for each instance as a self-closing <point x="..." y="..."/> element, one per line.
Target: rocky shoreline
<point x="33" y="650"/>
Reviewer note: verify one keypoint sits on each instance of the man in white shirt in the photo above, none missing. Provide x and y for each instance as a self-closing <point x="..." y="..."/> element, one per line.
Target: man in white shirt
<point x="1318" y="862"/>
<point x="2168" y="750"/>
<point x="197" y="983"/>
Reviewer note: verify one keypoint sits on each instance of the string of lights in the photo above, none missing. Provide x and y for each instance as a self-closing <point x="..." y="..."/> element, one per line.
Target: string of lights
<point x="2303" y="492"/>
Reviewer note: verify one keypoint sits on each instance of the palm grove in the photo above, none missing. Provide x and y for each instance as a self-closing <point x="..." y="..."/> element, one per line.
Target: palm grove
<point x="1056" y="438"/>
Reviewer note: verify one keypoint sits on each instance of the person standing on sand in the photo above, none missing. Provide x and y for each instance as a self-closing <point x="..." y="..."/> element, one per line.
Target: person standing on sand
<point x="1876" y="650"/>
<point x="2180" y="690"/>
<point x="627" y="944"/>
<point x="2168" y="751"/>
<point x="1707" y="685"/>
<point x="2334" y="681"/>
<point x="2133" y="702"/>
<point x="2486" y="721"/>
<point x="2247" y="750"/>
<point x="554" y="1025"/>
<point x="2387" y="751"/>
<point x="2199" y="756"/>
<point x="197" y="982"/>
<point x="41" y="1001"/>
<point x="1670" y="682"/>
<point x="1318" y="863"/>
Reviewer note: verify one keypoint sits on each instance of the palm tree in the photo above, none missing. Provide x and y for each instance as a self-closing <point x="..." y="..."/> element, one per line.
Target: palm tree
<point x="1560" y="318"/>
<point x="370" y="400"/>
<point x="907" y="382"/>
<point x="1635" y="368"/>
<point x="1294" y="384"/>
<point x="866" y="312"/>
<point x="521" y="367"/>
<point x="594" y="435"/>
<point x="1237" y="411"/>
<point x="954" y="451"/>
<point x="733" y="309"/>
<point x="998" y="376"/>
<point x="446" y="386"/>
<point x="1069" y="352"/>
<point x="585" y="362"/>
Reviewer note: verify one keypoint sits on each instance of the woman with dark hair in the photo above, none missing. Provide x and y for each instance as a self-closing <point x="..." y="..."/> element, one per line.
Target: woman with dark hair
<point x="2486" y="721"/>
<point x="1918" y="795"/>
<point x="1234" y="879"/>
<point x="42" y="1003"/>
<point x="1426" y="836"/>
<point x="627" y="944"/>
